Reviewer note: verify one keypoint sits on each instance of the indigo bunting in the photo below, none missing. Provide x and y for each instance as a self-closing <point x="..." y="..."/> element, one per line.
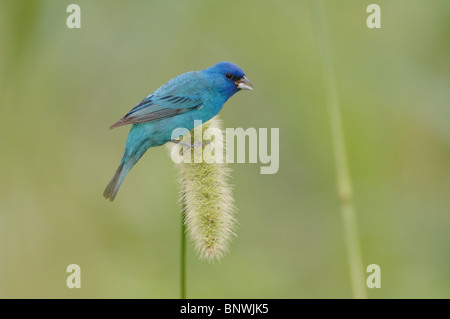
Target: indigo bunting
<point x="195" y="95"/>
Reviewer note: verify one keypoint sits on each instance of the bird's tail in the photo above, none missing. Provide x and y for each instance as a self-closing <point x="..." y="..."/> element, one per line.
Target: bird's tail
<point x="113" y="187"/>
<point x="136" y="145"/>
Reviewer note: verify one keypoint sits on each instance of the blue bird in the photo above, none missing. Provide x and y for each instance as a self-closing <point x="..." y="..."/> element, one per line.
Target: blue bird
<point x="195" y="95"/>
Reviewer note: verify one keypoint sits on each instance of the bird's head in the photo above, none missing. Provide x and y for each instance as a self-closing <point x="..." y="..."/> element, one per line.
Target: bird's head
<point x="228" y="78"/>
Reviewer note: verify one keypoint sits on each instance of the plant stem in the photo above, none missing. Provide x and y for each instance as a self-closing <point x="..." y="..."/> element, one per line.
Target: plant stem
<point x="344" y="183"/>
<point x="183" y="256"/>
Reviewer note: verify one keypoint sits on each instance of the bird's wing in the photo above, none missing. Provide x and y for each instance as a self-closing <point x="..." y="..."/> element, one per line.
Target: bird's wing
<point x="174" y="98"/>
<point x="155" y="108"/>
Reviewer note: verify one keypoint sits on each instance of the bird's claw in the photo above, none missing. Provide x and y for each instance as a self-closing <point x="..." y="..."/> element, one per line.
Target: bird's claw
<point x="187" y="146"/>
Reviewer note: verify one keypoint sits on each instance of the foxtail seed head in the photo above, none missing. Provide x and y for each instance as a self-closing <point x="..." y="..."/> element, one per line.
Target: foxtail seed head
<point x="206" y="197"/>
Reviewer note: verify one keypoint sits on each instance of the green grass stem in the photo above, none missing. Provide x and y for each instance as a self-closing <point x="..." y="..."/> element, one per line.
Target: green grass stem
<point x="344" y="182"/>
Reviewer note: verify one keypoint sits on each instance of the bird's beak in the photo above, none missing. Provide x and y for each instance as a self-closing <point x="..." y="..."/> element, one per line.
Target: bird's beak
<point x="244" y="84"/>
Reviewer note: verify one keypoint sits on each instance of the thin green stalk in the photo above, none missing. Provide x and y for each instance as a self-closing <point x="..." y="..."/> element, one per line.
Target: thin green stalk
<point x="344" y="183"/>
<point x="183" y="255"/>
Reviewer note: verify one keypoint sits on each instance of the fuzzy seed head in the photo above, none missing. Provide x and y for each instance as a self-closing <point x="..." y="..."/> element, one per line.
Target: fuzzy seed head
<point x="206" y="197"/>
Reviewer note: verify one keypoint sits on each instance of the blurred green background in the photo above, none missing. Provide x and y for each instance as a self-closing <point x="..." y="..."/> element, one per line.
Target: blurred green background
<point x="61" y="88"/>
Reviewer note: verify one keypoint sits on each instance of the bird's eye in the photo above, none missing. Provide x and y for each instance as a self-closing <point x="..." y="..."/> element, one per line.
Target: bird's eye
<point x="229" y="76"/>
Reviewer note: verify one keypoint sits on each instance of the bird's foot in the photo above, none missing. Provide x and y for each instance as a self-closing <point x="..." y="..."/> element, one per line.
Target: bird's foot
<point x="187" y="146"/>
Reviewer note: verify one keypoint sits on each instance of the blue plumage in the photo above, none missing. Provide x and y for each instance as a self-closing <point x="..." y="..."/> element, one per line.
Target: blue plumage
<point x="196" y="95"/>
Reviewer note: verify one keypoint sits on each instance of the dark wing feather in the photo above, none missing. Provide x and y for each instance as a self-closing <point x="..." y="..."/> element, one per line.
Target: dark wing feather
<point x="154" y="108"/>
